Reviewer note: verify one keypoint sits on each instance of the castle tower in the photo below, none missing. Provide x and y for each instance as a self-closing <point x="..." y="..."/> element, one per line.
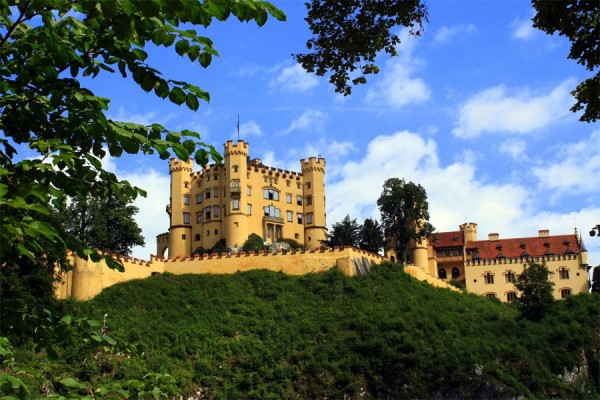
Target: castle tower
<point x="236" y="177"/>
<point x="469" y="230"/>
<point x="180" y="228"/>
<point x="418" y="251"/>
<point x="315" y="225"/>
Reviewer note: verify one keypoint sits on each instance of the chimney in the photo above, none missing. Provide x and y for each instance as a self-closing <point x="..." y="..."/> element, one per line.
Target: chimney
<point x="493" y="237"/>
<point x="544" y="233"/>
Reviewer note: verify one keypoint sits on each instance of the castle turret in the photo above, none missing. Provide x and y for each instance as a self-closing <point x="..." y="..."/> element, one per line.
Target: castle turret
<point x="236" y="177"/>
<point x="315" y="225"/>
<point x="180" y="228"/>
<point x="469" y="230"/>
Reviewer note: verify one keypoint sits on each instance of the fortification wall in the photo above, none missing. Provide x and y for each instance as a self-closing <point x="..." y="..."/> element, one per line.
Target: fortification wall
<point x="89" y="278"/>
<point x="292" y="263"/>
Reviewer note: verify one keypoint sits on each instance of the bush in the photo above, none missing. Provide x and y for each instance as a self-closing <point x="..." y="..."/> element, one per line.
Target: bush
<point x="254" y="243"/>
<point x="220" y="247"/>
<point x="293" y="244"/>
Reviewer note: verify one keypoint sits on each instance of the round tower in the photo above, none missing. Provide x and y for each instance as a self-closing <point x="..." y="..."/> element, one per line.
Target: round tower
<point x="236" y="179"/>
<point x="313" y="191"/>
<point x="180" y="228"/>
<point x="469" y="230"/>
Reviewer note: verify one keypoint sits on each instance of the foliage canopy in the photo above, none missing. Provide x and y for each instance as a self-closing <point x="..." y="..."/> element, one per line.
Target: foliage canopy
<point x="536" y="290"/>
<point x="404" y="213"/>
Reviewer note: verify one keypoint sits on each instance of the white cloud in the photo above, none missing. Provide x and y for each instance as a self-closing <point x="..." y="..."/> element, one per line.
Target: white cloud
<point x="447" y="33"/>
<point x="523" y="29"/>
<point x="455" y="192"/>
<point x="250" y="128"/>
<point x="500" y="109"/>
<point x="514" y="148"/>
<point x="312" y="121"/>
<point x="397" y="86"/>
<point x="574" y="167"/>
<point x="146" y="118"/>
<point x="294" y="79"/>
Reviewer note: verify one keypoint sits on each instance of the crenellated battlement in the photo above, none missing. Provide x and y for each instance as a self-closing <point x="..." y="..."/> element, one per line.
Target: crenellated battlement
<point x="313" y="164"/>
<point x="176" y="165"/>
<point x="238" y="149"/>
<point x="520" y="260"/>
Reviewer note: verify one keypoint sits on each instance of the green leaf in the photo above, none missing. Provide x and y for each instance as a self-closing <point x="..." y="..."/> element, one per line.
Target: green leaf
<point x="140" y="54"/>
<point x="71" y="383"/>
<point x="182" y="47"/>
<point x="205" y="59"/>
<point x="192" y="101"/>
<point x="177" y="96"/>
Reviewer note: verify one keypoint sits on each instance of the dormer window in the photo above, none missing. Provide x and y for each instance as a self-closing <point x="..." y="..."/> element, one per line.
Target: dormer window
<point x="546" y="243"/>
<point x="567" y="242"/>
<point x="499" y="247"/>
<point x="523" y="245"/>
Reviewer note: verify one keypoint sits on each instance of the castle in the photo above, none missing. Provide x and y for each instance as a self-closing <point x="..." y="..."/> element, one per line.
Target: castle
<point x="225" y="203"/>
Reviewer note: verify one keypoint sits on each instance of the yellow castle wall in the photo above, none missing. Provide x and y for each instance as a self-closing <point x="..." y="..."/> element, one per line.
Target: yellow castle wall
<point x="476" y="270"/>
<point x="88" y="278"/>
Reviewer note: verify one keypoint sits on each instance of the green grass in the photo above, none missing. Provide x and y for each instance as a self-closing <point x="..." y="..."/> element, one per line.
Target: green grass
<point x="265" y="335"/>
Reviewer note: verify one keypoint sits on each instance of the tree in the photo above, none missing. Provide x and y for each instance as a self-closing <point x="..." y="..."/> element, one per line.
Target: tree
<point x="46" y="47"/>
<point x="578" y="21"/>
<point x="348" y="35"/>
<point x="404" y="214"/>
<point x="596" y="279"/>
<point x="371" y="237"/>
<point x="536" y="291"/>
<point x="106" y="223"/>
<point x="344" y="233"/>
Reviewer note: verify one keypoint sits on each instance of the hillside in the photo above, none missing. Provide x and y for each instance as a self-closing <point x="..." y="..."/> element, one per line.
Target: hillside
<point x="263" y="335"/>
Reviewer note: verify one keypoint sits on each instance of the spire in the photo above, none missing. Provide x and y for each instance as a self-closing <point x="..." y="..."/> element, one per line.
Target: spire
<point x="580" y="240"/>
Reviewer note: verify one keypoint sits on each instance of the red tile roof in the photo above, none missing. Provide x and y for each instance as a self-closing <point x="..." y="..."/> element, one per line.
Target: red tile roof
<point x="447" y="239"/>
<point x="530" y="246"/>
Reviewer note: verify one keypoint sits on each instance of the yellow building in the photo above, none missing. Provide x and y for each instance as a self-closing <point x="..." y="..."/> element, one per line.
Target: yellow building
<point x="489" y="267"/>
<point x="242" y="196"/>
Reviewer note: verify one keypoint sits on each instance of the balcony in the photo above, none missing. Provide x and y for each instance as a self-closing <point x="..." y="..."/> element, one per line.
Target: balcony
<point x="277" y="220"/>
<point x="235" y="191"/>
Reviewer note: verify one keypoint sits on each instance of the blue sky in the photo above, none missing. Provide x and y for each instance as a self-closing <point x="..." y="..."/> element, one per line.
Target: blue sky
<point x="476" y="110"/>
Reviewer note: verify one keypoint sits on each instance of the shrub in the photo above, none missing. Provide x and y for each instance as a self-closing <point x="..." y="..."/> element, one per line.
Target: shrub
<point x="254" y="243"/>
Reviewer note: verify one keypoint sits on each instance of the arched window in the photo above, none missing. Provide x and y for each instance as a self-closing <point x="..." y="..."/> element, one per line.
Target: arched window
<point x="511" y="296"/>
<point x="442" y="273"/>
<point x="455" y="273"/>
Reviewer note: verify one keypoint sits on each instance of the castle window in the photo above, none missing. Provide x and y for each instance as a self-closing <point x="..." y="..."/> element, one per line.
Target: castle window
<point x="297" y="236"/>
<point x="235" y="204"/>
<point x="307" y="185"/>
<point x="235" y="183"/>
<point x="455" y="273"/>
<point x="299" y="200"/>
<point x="490" y="295"/>
<point x="308" y="200"/>
<point x="207" y="194"/>
<point x="290" y="216"/>
<point x="198" y="217"/>
<point x="271" y="211"/>
<point x="216" y="193"/>
<point x="235" y="168"/>
<point x="216" y="211"/>
<point x="186" y="184"/>
<point x="300" y="218"/>
<point x="207" y="232"/>
<point x="186" y="200"/>
<point x="288" y="183"/>
<point x="271" y="194"/>
<point x="309" y="218"/>
<point x="511" y="296"/>
<point x="198" y="199"/>
<point x="488" y="278"/>
<point x="183" y="237"/>
<point x="249" y="209"/>
<point x="564" y="293"/>
<point x="215" y="177"/>
<point x="298" y="185"/>
<point x="510" y="277"/>
<point x="197" y="237"/>
<point x="248" y="175"/>
<point x="442" y="273"/>
<point x="207" y="178"/>
<point x="207" y="213"/>
<point x="288" y="198"/>
<point x="216" y="231"/>
<point x="186" y="218"/>
<point x="248" y="190"/>
<point x="563" y="273"/>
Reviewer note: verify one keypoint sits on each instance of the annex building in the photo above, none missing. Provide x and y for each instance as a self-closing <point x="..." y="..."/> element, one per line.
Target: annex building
<point x="489" y="267"/>
<point x="225" y="203"/>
